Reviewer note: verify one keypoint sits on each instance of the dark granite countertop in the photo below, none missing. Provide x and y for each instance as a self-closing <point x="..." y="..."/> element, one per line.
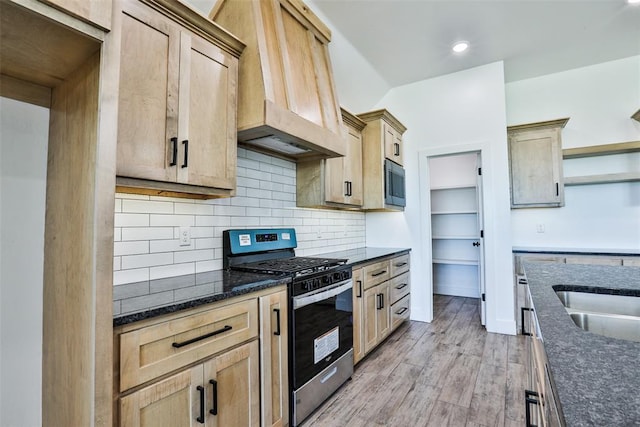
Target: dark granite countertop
<point x="144" y="300"/>
<point x="576" y="251"/>
<point x="364" y="254"/>
<point x="596" y="377"/>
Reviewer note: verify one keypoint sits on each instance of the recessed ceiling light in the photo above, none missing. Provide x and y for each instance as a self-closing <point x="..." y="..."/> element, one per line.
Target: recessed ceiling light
<point x="460" y="46"/>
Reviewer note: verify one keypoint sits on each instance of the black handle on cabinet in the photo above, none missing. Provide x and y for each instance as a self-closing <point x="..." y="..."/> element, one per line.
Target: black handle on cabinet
<point x="200" y="419"/>
<point x="402" y="310"/>
<point x="381" y="301"/>
<point x="378" y="302"/>
<point x="529" y="398"/>
<point x="379" y="273"/>
<point x="403" y="285"/>
<point x="401" y="264"/>
<point x="350" y="188"/>
<point x="186" y="153"/>
<point x="359" y="294"/>
<point x="522" y="310"/>
<point x="174" y="155"/>
<point x="202" y="337"/>
<point x="396" y="149"/>
<point x="214" y="388"/>
<point x="346" y="188"/>
<point x="557" y="189"/>
<point x="277" y="311"/>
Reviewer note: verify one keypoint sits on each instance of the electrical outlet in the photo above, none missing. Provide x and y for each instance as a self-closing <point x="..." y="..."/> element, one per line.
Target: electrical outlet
<point x="540" y="228"/>
<point x="185" y="236"/>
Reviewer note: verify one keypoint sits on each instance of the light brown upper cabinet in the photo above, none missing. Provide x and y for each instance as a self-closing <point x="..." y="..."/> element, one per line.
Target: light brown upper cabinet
<point x="535" y="164"/>
<point x="287" y="101"/>
<point x="177" y="102"/>
<point x="335" y="182"/>
<point x="381" y="139"/>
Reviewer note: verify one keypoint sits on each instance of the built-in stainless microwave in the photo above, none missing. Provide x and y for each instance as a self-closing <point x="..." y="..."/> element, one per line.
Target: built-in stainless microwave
<point x="394" y="189"/>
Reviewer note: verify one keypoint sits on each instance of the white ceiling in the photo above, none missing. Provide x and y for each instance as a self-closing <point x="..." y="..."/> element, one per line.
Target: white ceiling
<point x="410" y="40"/>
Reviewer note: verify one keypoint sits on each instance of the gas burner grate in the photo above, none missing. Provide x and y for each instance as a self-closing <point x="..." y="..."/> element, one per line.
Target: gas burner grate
<point x="296" y="265"/>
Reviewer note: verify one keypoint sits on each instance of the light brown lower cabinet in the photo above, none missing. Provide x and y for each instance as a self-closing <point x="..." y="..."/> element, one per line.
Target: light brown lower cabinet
<point x="222" y="391"/>
<point x="221" y="365"/>
<point x="381" y="302"/>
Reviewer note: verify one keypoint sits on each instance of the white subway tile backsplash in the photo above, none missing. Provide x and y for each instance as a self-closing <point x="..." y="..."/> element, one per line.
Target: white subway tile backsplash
<point x="193" y="209"/>
<point x="131" y="248"/>
<point x="148" y="260"/>
<point x="147" y="227"/>
<point x="147" y="233"/>
<point x="171" y="270"/>
<point x="131" y="220"/>
<point x="147" y="206"/>
<point x="130" y="276"/>
<point x="171" y="220"/>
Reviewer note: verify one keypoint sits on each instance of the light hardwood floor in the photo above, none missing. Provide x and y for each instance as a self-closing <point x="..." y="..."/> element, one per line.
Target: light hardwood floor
<point x="450" y="372"/>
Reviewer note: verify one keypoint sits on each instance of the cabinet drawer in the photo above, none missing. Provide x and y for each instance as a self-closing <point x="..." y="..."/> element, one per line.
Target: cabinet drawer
<point x="155" y="350"/>
<point x="400" y="286"/>
<point x="400" y="311"/>
<point x="399" y="265"/>
<point x="376" y="273"/>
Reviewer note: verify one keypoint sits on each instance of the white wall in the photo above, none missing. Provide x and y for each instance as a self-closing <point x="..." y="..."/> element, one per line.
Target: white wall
<point x="463" y="111"/>
<point x="23" y="162"/>
<point x="599" y="100"/>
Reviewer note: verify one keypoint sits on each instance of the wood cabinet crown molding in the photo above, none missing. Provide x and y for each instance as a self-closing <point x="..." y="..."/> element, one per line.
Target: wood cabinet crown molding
<point x="190" y="18"/>
<point x="287" y="100"/>
<point x="557" y="123"/>
<point x="384" y="115"/>
<point x="352" y="120"/>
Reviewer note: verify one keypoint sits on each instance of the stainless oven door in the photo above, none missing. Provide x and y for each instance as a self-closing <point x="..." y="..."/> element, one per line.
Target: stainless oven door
<point x="322" y="330"/>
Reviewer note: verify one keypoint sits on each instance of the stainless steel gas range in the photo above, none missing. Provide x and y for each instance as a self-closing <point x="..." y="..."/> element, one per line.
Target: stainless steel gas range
<point x="320" y="311"/>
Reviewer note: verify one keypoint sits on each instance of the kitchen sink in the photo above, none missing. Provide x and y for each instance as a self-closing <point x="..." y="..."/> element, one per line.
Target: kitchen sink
<point x="615" y="316"/>
<point x="609" y="325"/>
<point x="600" y="303"/>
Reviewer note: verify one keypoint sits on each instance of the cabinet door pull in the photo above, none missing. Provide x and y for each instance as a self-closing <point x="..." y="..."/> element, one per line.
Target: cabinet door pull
<point x="214" y="389"/>
<point x="403" y="285"/>
<point x="359" y="294"/>
<point x="522" y="310"/>
<point x="529" y="398"/>
<point x="346" y="188"/>
<point x="402" y="310"/>
<point x="186" y="153"/>
<point x="401" y="264"/>
<point x="396" y="149"/>
<point x="202" y="337"/>
<point x="277" y="311"/>
<point x="378" y="306"/>
<point x="557" y="189"/>
<point x="200" y="419"/>
<point x="174" y="155"/>
<point x="350" y="190"/>
<point x="379" y="273"/>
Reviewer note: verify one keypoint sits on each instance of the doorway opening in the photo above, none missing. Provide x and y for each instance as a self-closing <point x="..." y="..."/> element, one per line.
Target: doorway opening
<point x="457" y="231"/>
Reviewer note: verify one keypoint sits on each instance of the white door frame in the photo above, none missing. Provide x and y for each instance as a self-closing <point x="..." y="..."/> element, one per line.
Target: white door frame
<point x="425" y="207"/>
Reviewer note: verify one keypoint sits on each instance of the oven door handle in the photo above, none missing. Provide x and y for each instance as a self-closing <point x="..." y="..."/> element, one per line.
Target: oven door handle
<point x="304" y="300"/>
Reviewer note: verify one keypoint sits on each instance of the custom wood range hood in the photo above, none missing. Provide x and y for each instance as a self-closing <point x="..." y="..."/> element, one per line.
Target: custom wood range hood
<point x="287" y="101"/>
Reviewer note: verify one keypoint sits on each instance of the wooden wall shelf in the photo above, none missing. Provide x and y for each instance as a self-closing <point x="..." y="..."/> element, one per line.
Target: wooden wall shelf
<point x="602" y="179"/>
<point x="601" y="150"/>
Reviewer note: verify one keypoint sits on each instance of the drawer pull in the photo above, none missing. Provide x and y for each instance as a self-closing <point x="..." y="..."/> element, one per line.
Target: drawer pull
<point x="379" y="273"/>
<point x="402" y="310"/>
<point x="359" y="294"/>
<point x="522" y="331"/>
<point x="191" y="341"/>
<point x="401" y="264"/>
<point x="200" y="419"/>
<point x="277" y="311"/>
<point x="214" y="387"/>
<point x="403" y="285"/>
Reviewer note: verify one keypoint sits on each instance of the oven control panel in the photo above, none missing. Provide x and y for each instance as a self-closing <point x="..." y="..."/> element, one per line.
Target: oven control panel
<point x="321" y="279"/>
<point x="259" y="240"/>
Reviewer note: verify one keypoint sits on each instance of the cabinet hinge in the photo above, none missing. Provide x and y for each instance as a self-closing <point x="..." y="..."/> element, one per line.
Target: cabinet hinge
<point x="482" y="234"/>
<point x="483" y="297"/>
<point x="479" y="171"/>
